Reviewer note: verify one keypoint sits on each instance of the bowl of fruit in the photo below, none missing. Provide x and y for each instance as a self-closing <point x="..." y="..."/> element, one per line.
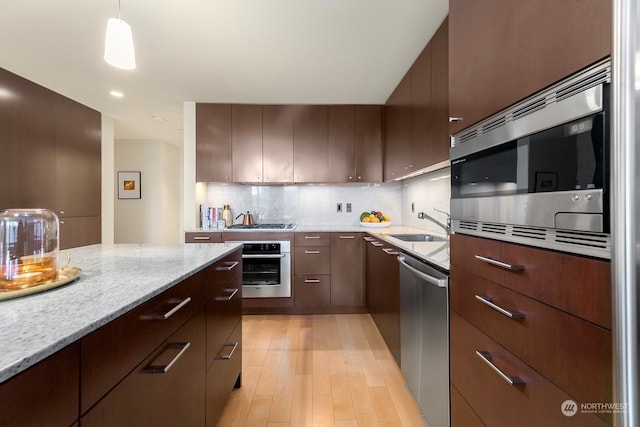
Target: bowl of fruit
<point x="374" y="219"/>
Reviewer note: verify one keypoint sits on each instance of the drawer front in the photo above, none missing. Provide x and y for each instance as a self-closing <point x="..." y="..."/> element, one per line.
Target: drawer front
<point x="312" y="291"/>
<point x="536" y="402"/>
<point x="224" y="303"/>
<point x="572" y="353"/>
<point x="203" y="237"/>
<point x="462" y="415"/>
<point x="44" y="395"/>
<point x="312" y="260"/>
<point x="111" y="352"/>
<point x="312" y="239"/>
<point x="222" y="376"/>
<point x="578" y="285"/>
<point x="153" y="396"/>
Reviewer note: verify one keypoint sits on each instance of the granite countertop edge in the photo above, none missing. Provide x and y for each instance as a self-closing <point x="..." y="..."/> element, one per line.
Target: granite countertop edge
<point x="38" y="325"/>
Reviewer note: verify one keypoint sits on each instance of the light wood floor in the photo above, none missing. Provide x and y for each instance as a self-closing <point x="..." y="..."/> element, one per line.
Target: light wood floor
<point x="318" y="370"/>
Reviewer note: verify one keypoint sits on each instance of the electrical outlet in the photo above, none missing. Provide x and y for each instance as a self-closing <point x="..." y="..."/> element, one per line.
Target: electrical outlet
<point x="339" y="207"/>
<point x="348" y="207"/>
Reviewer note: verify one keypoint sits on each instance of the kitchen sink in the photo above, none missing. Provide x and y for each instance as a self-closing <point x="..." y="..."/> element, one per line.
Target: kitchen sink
<point x="418" y="237"/>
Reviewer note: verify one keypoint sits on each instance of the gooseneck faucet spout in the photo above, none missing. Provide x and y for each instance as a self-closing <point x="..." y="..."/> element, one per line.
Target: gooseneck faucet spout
<point x="446" y="227"/>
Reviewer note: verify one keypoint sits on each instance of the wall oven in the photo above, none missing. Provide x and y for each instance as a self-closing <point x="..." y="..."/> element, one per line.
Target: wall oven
<point x="266" y="269"/>
<point x="538" y="172"/>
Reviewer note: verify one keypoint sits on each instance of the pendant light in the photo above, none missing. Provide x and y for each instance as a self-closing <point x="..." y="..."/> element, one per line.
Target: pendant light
<point x="118" y="44"/>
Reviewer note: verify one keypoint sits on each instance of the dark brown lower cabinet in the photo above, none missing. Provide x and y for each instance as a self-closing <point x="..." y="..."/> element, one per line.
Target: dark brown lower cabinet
<point x="347" y="270"/>
<point x="312" y="290"/>
<point x="165" y="389"/>
<point x="47" y="394"/>
<point x="531" y="400"/>
<point x="80" y="231"/>
<point x="223" y="376"/>
<point x="382" y="274"/>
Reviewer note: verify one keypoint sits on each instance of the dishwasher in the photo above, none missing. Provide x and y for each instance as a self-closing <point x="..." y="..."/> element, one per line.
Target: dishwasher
<point x="424" y="337"/>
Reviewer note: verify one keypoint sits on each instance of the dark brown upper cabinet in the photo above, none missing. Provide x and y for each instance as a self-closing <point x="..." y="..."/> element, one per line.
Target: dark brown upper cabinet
<point x="213" y="143"/>
<point x="277" y="143"/>
<point x="342" y="152"/>
<point x="397" y="137"/>
<point x="310" y="143"/>
<point x="355" y="143"/>
<point x="501" y="51"/>
<point x="246" y="142"/>
<point x="416" y="113"/>
<point x="368" y="143"/>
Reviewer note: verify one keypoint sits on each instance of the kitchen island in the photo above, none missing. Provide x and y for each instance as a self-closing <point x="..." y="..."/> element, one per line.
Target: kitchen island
<point x="109" y="306"/>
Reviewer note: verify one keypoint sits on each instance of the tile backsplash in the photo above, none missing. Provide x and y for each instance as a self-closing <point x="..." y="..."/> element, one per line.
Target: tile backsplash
<point x="316" y="204"/>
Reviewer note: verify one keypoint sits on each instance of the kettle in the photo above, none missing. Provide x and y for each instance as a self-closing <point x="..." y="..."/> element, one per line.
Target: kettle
<point x="247" y="218"/>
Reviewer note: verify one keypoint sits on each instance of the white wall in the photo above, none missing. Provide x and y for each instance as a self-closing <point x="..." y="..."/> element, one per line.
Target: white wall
<point x="108" y="184"/>
<point x="155" y="217"/>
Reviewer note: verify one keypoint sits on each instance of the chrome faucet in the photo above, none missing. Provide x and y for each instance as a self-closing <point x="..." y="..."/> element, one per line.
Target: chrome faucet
<point x="446" y="227"/>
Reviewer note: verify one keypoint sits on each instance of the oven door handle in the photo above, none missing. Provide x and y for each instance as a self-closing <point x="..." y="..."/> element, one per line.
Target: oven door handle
<point x="264" y="256"/>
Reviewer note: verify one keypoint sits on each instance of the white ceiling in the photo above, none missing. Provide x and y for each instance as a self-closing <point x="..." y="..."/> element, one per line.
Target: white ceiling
<point x="244" y="51"/>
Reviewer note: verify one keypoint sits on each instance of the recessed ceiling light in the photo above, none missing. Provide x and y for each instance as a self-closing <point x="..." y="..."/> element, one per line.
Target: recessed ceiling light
<point x="116" y="94"/>
<point x="158" y="118"/>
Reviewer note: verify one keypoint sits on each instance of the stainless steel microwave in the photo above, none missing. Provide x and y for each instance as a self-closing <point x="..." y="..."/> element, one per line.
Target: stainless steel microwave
<point x="538" y="172"/>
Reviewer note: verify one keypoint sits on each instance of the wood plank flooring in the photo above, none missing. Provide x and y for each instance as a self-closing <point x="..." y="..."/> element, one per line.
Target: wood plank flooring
<point x="317" y="371"/>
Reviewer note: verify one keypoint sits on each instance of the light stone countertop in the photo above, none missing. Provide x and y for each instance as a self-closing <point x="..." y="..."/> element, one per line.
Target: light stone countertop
<point x="436" y="253"/>
<point x="114" y="280"/>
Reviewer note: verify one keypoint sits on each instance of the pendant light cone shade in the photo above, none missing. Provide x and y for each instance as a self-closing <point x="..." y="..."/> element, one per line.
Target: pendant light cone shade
<point x="118" y="45"/>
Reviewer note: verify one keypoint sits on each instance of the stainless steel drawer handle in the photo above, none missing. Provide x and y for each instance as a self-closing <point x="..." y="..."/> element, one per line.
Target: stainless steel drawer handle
<point x="229" y="297"/>
<point x="377" y="244"/>
<point x="311" y="280"/>
<point x="311" y="252"/>
<point x="264" y="256"/>
<point x="390" y="251"/>
<point x="486" y="358"/>
<point x="346" y="237"/>
<point x="454" y="119"/>
<point x="369" y="239"/>
<point x="202" y="238"/>
<point x="512" y="267"/>
<point x="233" y="346"/>
<point x="231" y="266"/>
<point x="174" y="310"/>
<point x="485" y="299"/>
<point x="311" y="237"/>
<point x="163" y="369"/>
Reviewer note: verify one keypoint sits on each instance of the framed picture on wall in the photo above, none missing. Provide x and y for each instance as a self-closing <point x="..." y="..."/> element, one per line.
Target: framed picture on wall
<point x="129" y="185"/>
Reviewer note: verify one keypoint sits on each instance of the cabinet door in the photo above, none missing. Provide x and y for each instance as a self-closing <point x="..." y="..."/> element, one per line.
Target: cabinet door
<point x="499" y="55"/>
<point x="246" y="135"/>
<point x="383" y="293"/>
<point x="46" y="394"/>
<point x="150" y="396"/>
<point x="80" y="231"/>
<point x="421" y="111"/>
<point x="310" y="143"/>
<point x="277" y="143"/>
<point x="347" y="269"/>
<point x="78" y="154"/>
<point x="397" y="128"/>
<point x="440" y="140"/>
<point x="27" y="163"/>
<point x="312" y="290"/>
<point x="368" y="143"/>
<point x="342" y="156"/>
<point x="213" y="143"/>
